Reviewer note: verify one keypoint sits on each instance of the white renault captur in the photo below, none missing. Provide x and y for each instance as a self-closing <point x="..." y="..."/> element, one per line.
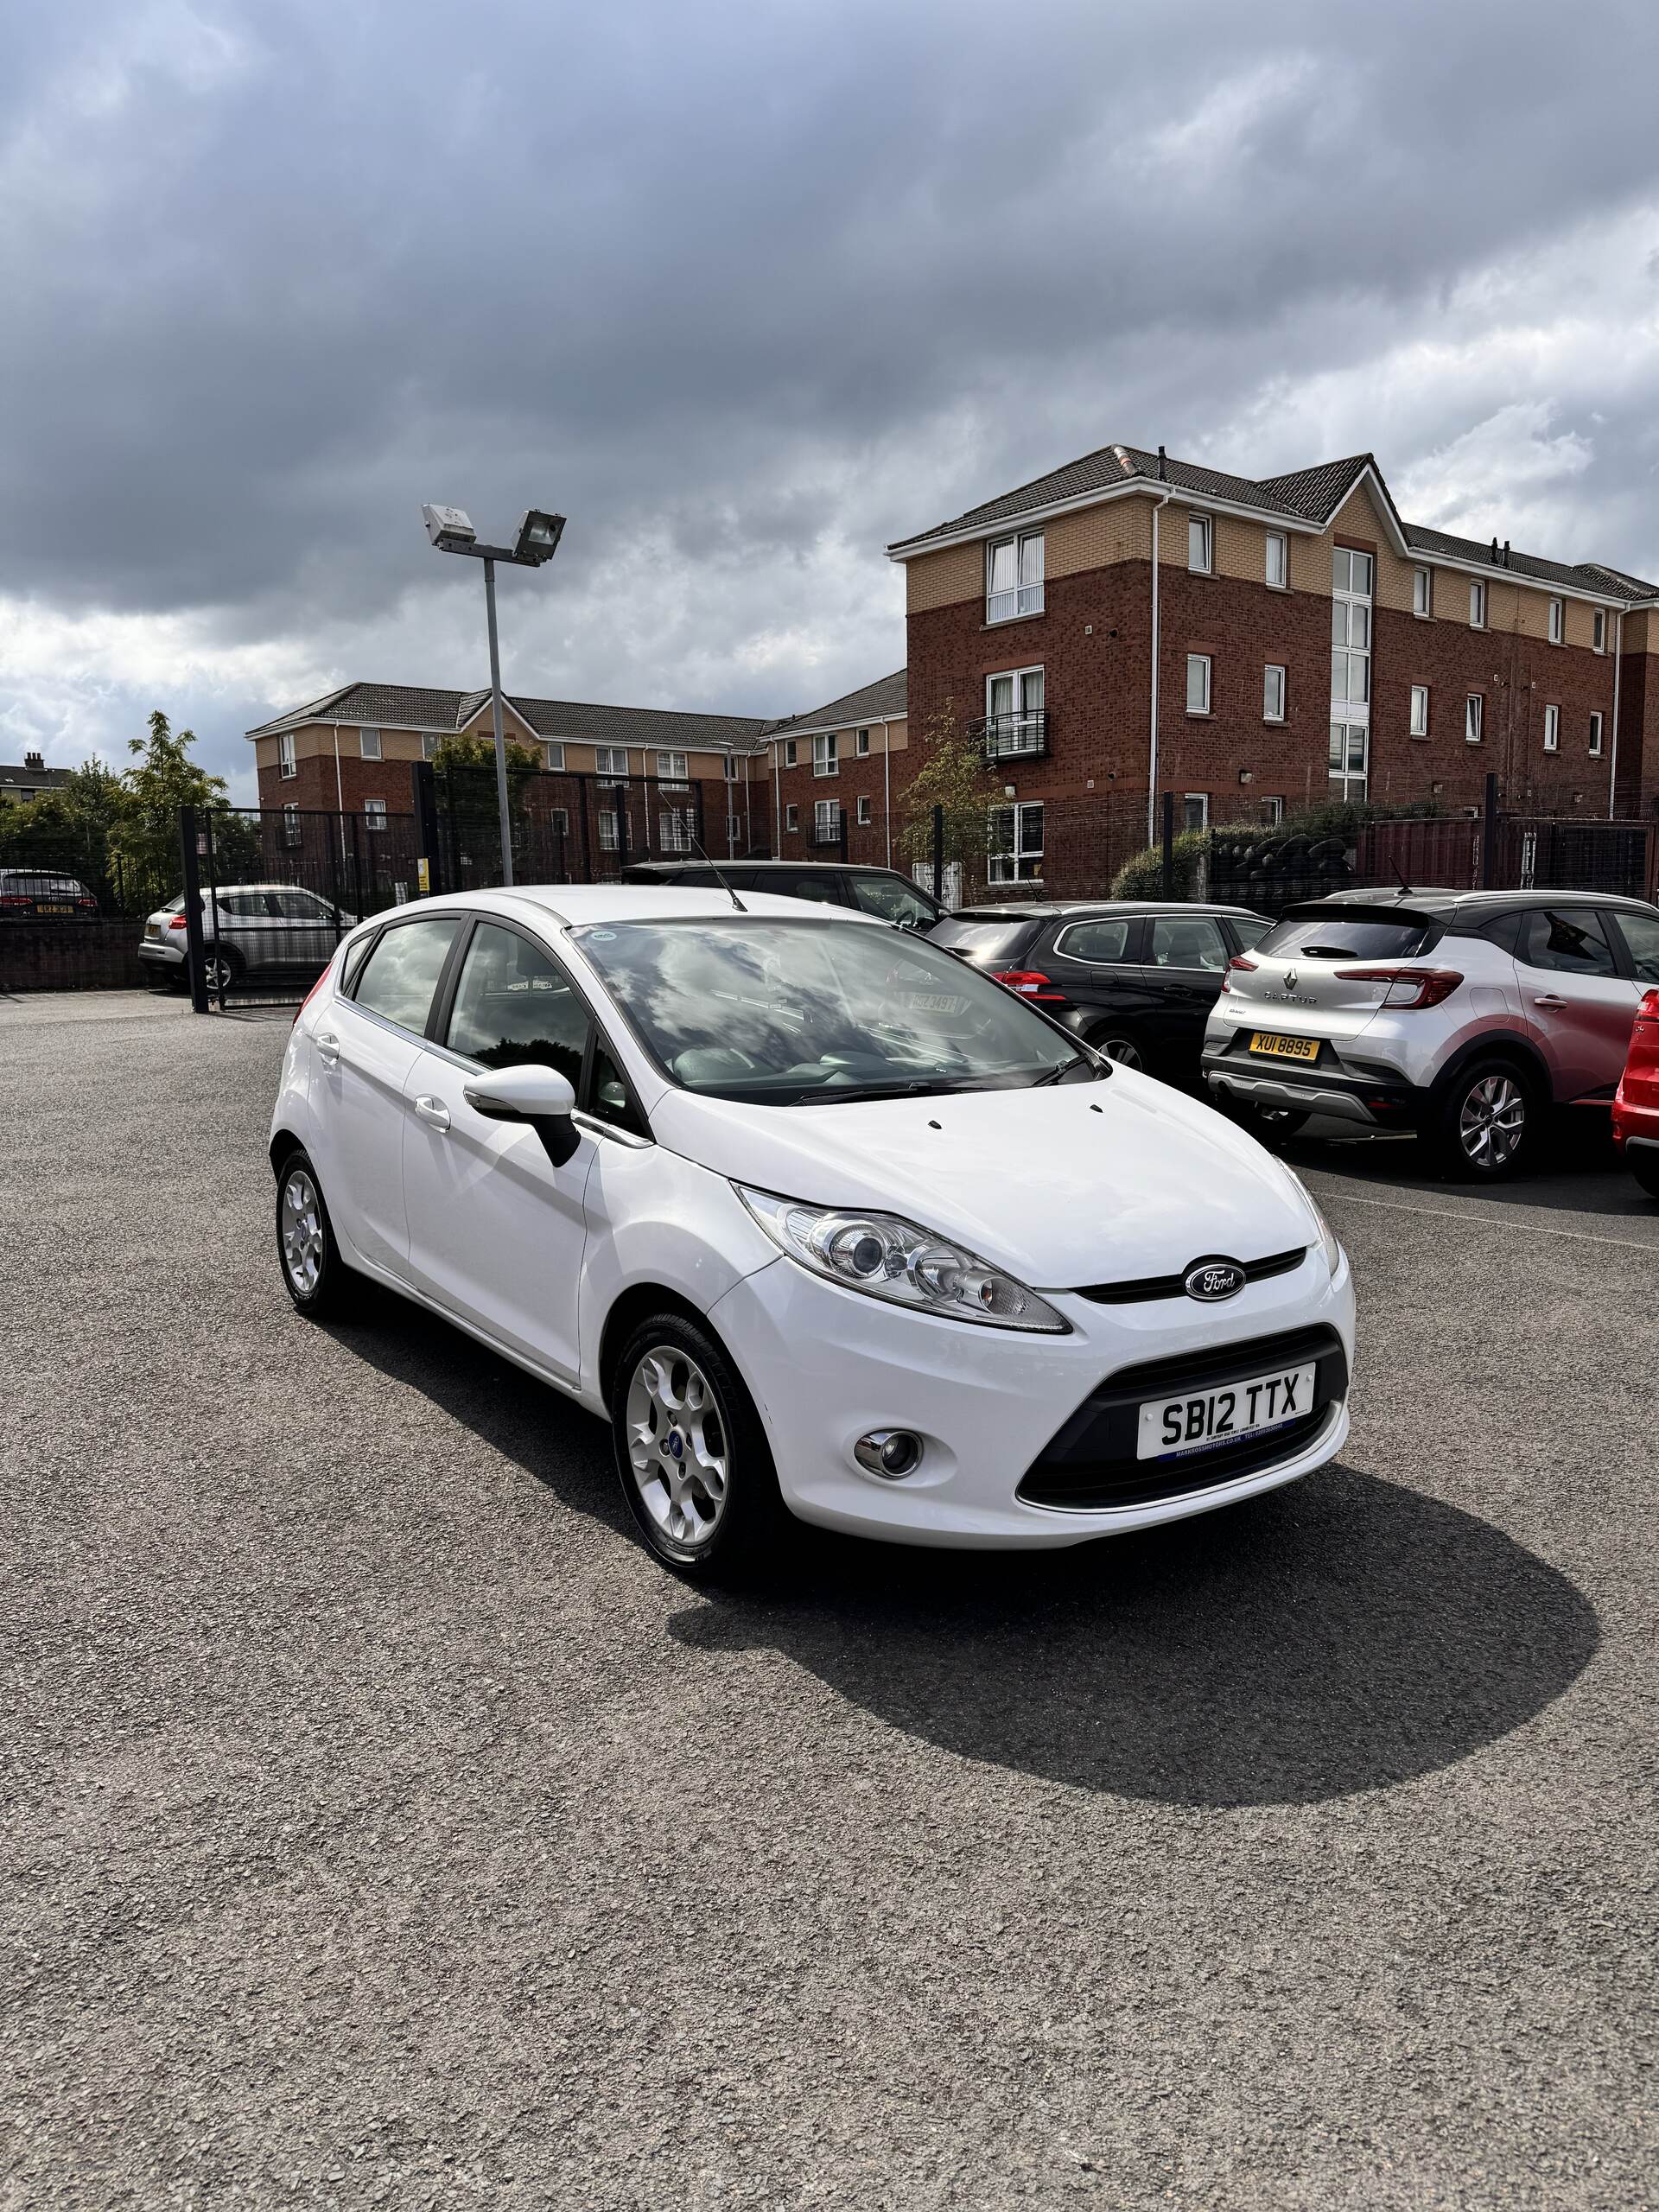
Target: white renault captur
<point x="822" y="1218"/>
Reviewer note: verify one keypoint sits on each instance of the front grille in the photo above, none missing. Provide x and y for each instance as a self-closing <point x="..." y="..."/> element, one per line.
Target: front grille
<point x="1145" y="1287"/>
<point x="1089" y="1463"/>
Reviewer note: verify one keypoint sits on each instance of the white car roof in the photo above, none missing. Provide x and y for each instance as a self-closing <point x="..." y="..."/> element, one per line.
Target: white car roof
<point x="576" y="903"/>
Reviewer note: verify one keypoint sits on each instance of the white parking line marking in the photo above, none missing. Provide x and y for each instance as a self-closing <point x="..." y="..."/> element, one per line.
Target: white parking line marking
<point x="1496" y="1220"/>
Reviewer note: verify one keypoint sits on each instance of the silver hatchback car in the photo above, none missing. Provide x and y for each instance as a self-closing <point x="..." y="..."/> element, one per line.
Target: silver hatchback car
<point x="247" y="929"/>
<point x="1463" y="1015"/>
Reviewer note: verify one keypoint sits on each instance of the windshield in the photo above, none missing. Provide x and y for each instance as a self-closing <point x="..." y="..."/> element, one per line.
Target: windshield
<point x="783" y="1012"/>
<point x="986" y="943"/>
<point x="1337" y="936"/>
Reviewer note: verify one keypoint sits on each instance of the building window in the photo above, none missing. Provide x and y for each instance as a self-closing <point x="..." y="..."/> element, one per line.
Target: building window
<point x="1551" y="729"/>
<point x="670" y="767"/>
<point x="430" y="740"/>
<point x="1273" y="812"/>
<point x="1198" y="684"/>
<point x="1349" y="758"/>
<point x="1474" y="709"/>
<point x="1419" y="710"/>
<point x="1016" y="843"/>
<point x="1273" y="694"/>
<point x="826" y="821"/>
<point x="1195" y="810"/>
<point x="674" y="829"/>
<point x="1278" y="560"/>
<point x="862" y="743"/>
<point x="864" y="807"/>
<point x="292" y="832"/>
<point x="374" y="813"/>
<point x="1014" y="722"/>
<point x="1598" y="629"/>
<point x="612" y="761"/>
<point x="1350" y="634"/>
<point x="792" y="817"/>
<point x="286" y="764"/>
<point x="1422" y="592"/>
<point x="555" y="757"/>
<point x="1557" y="621"/>
<point x="1200" y="545"/>
<point x="734" y="832"/>
<point x="1013" y="576"/>
<point x="558" y="821"/>
<point x="368" y="744"/>
<point x="731" y="767"/>
<point x="790" y="754"/>
<point x="826" y="755"/>
<point x="1595" y="737"/>
<point x="1476" y="605"/>
<point x="608" y="830"/>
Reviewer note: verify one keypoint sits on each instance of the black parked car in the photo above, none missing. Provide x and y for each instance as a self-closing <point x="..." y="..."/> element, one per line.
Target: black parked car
<point x="880" y="891"/>
<point x="1136" y="982"/>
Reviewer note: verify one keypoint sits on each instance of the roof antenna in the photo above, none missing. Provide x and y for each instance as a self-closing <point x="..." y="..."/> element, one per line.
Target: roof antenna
<point x="1163" y="466"/>
<point x="709" y="860"/>
<point x="1400" y="872"/>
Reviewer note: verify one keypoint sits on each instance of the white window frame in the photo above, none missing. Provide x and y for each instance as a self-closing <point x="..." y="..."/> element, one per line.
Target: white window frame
<point x="292" y="828"/>
<point x="1595" y="734"/>
<point x="430" y="740"/>
<point x="731" y="764"/>
<point x="374" y="814"/>
<point x="866" y="809"/>
<point x="792" y="816"/>
<point x="1557" y="622"/>
<point x="554" y="751"/>
<point x="1551" y="729"/>
<point x="1279" y="539"/>
<point x="667" y="772"/>
<point x="1201" y="532"/>
<point x="1273" y="812"/>
<point x="1274" y="696"/>
<point x="1023" y="734"/>
<point x="1423" y="594"/>
<point x="605" y="760"/>
<point x="1474" y="717"/>
<point x="734" y="831"/>
<point x="1021" y="589"/>
<point x="1023" y="861"/>
<point x="1352" y="610"/>
<point x="1598" y="630"/>
<point x="861" y="745"/>
<point x="369" y="745"/>
<point x="1202" y="665"/>
<point x="609" y="839"/>
<point x="1418" y="726"/>
<point x="674" y="832"/>
<point x="791" y="753"/>
<point x="826" y="821"/>
<point x="558" y="821"/>
<point x="1349" y="782"/>
<point x="1191" y="799"/>
<point x="826" y="753"/>
<point x="287" y="764"/>
<point x="1477" y="604"/>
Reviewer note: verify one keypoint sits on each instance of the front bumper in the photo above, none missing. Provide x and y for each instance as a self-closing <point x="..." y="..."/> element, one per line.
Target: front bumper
<point x="826" y="1365"/>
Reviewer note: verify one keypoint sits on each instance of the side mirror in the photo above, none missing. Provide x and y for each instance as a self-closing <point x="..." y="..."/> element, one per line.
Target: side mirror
<point x="537" y="1094"/>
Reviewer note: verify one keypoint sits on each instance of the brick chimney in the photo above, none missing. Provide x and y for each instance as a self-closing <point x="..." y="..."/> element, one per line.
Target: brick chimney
<point x="35" y="760"/>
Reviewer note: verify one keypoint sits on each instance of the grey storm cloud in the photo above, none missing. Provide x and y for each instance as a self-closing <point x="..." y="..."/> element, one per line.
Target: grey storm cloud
<point x="748" y="291"/>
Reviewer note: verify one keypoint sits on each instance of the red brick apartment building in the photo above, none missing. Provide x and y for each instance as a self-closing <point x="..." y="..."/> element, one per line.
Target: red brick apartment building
<point x="851" y="758"/>
<point x="1131" y="623"/>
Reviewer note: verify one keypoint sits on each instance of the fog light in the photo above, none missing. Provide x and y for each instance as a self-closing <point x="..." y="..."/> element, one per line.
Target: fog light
<point x="890" y="1453"/>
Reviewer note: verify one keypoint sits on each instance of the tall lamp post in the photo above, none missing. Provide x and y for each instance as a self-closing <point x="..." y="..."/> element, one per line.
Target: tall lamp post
<point x="538" y="540"/>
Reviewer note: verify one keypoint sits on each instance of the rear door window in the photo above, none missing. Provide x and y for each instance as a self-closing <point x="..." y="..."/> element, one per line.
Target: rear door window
<point x="822" y="884"/>
<point x="1567" y="941"/>
<point x="1103" y="944"/>
<point x="1641" y="935"/>
<point x="1187" y="941"/>
<point x="402" y="971"/>
<point x="1337" y="936"/>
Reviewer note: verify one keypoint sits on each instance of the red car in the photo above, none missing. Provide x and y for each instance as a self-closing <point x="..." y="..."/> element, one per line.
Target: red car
<point x="1635" y="1103"/>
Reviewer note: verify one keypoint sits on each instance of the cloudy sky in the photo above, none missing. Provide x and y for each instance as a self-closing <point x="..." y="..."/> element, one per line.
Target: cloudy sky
<point x="747" y="291"/>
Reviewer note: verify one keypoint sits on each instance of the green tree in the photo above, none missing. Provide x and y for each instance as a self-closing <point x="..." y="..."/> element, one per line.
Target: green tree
<point x="145" y="837"/>
<point x="69" y="830"/>
<point x="955" y="774"/>
<point x="465" y="766"/>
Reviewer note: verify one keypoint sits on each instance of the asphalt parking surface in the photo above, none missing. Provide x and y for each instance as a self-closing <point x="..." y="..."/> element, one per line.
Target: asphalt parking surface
<point x="382" y="1826"/>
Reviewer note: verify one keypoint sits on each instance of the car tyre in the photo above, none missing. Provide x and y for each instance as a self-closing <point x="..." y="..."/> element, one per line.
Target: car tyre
<point x="1644" y="1166"/>
<point x="692" y="1457"/>
<point x="315" y="1277"/>
<point x="1480" y="1125"/>
<point x="220" y="966"/>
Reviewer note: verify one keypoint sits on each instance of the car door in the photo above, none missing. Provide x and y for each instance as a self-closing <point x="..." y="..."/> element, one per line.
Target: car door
<point x="496" y="1229"/>
<point x="1574" y="998"/>
<point x="1186" y="956"/>
<point x="309" y="927"/>
<point x="1096" y="962"/>
<point x="364" y="1048"/>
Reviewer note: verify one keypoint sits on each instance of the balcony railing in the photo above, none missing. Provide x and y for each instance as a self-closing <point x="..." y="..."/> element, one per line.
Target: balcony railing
<point x="1014" y="737"/>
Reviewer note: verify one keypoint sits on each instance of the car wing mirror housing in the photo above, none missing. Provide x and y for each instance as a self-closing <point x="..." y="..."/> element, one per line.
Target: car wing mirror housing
<point x="537" y="1094"/>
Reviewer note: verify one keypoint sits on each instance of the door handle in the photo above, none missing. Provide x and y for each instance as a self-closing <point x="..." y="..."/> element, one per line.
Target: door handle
<point x="433" y="1112"/>
<point x="1548" y="999"/>
<point x="328" y="1048"/>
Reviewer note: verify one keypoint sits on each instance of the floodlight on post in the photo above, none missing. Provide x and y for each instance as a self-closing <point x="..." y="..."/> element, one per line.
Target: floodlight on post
<point x="538" y="540"/>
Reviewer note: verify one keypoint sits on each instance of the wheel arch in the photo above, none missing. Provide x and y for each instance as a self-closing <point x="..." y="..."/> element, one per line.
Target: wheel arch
<point x="1500" y="1045"/>
<point x="282" y="1142"/>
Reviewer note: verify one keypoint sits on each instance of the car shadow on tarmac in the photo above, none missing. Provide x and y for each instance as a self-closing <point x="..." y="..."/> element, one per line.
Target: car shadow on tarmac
<point x="1577" y="1169"/>
<point x="1339" y="1634"/>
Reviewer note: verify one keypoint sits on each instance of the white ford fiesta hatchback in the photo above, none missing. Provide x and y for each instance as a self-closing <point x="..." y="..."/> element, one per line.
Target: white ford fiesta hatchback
<point x="826" y="1221"/>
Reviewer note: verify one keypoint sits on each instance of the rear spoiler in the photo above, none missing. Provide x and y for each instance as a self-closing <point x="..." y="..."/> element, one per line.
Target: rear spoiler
<point x="1325" y="909"/>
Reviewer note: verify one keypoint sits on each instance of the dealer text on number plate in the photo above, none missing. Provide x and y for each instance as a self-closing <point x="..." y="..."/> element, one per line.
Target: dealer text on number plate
<point x="1285" y="1048"/>
<point x="1170" y="1427"/>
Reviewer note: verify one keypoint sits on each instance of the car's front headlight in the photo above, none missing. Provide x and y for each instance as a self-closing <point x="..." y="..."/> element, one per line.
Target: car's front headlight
<point x="888" y="1257"/>
<point x="1328" y="1243"/>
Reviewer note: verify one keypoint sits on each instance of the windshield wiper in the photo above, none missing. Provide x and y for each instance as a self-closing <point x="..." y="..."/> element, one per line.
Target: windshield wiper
<point x="1065" y="1068"/>
<point x="846" y="1094"/>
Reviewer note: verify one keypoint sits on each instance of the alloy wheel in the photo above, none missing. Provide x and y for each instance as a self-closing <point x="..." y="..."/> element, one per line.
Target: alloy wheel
<point x="676" y="1446"/>
<point x="1120" y="1050"/>
<point x="1492" y="1121"/>
<point x="217" y="974"/>
<point x="302" y="1240"/>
